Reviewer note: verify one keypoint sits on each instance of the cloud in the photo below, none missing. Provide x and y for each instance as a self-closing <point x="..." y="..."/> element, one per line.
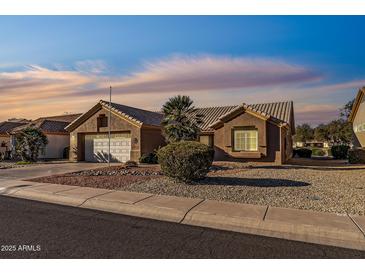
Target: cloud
<point x="37" y="82"/>
<point x="210" y="80"/>
<point x="213" y="73"/>
<point x="91" y="66"/>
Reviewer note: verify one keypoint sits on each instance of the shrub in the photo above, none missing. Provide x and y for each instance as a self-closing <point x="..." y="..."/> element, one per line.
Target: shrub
<point x="318" y="152"/>
<point x="131" y="164"/>
<point x="185" y="161"/>
<point x="340" y="151"/>
<point x="356" y="156"/>
<point x="303" y="152"/>
<point x="150" y="158"/>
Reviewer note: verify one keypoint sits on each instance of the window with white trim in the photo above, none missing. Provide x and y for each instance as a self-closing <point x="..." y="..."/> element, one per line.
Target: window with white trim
<point x="245" y="140"/>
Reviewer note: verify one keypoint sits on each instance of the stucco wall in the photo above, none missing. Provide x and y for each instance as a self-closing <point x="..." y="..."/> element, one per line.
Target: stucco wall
<point x="268" y="140"/>
<point x="55" y="147"/>
<point x="359" y="120"/>
<point x="151" y="139"/>
<point x="118" y="125"/>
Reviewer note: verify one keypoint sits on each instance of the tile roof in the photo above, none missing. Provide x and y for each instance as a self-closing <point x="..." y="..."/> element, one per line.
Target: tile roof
<point x="138" y="115"/>
<point x="51" y="124"/>
<point x="210" y="114"/>
<point x="280" y="111"/>
<point x="6" y="127"/>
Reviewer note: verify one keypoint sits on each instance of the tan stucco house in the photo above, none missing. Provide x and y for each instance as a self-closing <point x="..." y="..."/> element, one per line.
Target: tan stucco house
<point x="54" y="128"/>
<point x="357" y="118"/>
<point x="260" y="132"/>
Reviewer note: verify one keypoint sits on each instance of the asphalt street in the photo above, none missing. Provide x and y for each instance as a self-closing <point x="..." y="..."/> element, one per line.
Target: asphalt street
<point x="30" y="229"/>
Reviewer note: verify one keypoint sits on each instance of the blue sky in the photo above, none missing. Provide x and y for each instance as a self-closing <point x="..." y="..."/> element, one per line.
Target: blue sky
<point x="56" y="64"/>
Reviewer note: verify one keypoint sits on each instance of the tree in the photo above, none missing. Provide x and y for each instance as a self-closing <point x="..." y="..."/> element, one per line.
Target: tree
<point x="345" y="111"/>
<point x="180" y="120"/>
<point x="340" y="131"/>
<point x="321" y="133"/>
<point x="28" y="143"/>
<point x="304" y="133"/>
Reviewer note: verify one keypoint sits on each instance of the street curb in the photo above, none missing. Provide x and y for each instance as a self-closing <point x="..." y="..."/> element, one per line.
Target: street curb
<point x="307" y="226"/>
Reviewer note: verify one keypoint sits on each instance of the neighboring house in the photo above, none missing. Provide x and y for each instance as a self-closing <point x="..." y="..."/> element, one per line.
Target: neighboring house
<point x="357" y="118"/>
<point x="5" y="136"/>
<point x="54" y="128"/>
<point x="262" y="132"/>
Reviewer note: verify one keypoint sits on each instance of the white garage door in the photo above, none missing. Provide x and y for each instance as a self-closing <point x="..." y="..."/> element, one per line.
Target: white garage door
<point x="97" y="147"/>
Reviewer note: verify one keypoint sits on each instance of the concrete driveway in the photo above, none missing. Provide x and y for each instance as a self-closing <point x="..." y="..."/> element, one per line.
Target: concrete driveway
<point x="46" y="170"/>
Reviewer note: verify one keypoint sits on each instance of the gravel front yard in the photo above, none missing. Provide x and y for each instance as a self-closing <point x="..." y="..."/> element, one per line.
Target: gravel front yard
<point x="339" y="188"/>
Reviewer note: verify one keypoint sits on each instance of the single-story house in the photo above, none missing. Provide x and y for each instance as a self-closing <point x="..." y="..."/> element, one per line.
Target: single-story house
<point x="357" y="118"/>
<point x="5" y="136"/>
<point x="54" y="128"/>
<point x="260" y="132"/>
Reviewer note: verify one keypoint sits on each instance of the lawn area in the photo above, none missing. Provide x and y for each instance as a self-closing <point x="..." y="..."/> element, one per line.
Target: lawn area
<point x="322" y="185"/>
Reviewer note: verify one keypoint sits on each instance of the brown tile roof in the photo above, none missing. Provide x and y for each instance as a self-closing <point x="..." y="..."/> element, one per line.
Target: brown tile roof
<point x="138" y="115"/>
<point x="279" y="111"/>
<point x="51" y="124"/>
<point x="6" y="127"/>
<point x="210" y="114"/>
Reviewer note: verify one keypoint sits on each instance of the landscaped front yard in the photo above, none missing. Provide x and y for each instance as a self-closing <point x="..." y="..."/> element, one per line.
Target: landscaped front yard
<point x="327" y="186"/>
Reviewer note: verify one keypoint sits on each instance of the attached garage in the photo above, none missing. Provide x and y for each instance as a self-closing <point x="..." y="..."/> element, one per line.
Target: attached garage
<point x="134" y="132"/>
<point x="97" y="147"/>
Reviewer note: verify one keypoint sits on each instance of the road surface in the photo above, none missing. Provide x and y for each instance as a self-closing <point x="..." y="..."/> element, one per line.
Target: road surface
<point x="30" y="229"/>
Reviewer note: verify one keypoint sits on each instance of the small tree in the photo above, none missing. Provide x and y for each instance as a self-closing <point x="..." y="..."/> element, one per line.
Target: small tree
<point x="29" y="142"/>
<point x="180" y="120"/>
<point x="321" y="133"/>
<point x="304" y="133"/>
<point x="340" y="131"/>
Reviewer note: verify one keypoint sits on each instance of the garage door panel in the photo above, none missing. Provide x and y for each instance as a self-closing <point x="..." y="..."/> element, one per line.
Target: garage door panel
<point x="97" y="147"/>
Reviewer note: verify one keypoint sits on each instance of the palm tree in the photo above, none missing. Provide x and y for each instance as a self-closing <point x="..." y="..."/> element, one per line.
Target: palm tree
<point x="180" y="120"/>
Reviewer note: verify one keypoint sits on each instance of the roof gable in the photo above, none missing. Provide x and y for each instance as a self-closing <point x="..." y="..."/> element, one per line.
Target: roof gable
<point x="278" y="112"/>
<point x="134" y="115"/>
<point x="355" y="107"/>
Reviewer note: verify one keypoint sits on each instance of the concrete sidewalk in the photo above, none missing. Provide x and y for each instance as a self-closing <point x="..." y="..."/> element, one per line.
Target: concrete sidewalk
<point x="292" y="224"/>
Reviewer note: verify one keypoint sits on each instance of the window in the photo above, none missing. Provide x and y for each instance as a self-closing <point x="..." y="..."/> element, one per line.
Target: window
<point x="245" y="140"/>
<point x="102" y="121"/>
<point x="206" y="139"/>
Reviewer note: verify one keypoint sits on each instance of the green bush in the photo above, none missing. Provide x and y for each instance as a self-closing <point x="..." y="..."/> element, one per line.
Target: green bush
<point x="185" y="161"/>
<point x="340" y="151"/>
<point x="318" y="152"/>
<point x="150" y="158"/>
<point x="302" y="152"/>
<point x="356" y="156"/>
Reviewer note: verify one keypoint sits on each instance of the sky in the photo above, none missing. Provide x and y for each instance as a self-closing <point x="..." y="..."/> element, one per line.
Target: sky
<point x="51" y="65"/>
